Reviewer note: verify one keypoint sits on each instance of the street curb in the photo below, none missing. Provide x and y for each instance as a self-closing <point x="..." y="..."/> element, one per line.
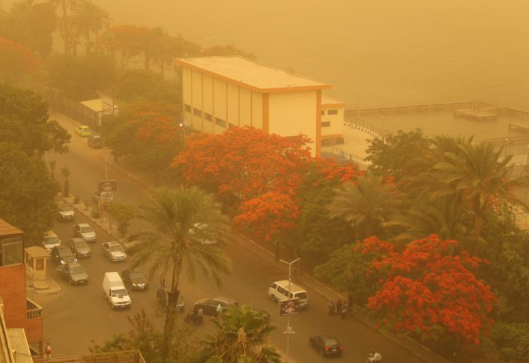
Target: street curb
<point x="280" y="266"/>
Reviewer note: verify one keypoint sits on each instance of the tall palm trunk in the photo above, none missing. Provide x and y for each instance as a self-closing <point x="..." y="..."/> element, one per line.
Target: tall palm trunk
<point x="170" y="317"/>
<point x="478" y="216"/>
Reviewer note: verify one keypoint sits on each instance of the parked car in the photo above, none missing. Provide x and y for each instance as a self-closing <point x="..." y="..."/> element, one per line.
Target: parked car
<point x="134" y="279"/>
<point x="98" y="195"/>
<point x="50" y="240"/>
<point x="74" y="273"/>
<point x="95" y="141"/>
<point x="209" y="306"/>
<point x="83" y="131"/>
<point x="66" y="212"/>
<point x="114" y="251"/>
<point x="85" y="231"/>
<point x="326" y="346"/>
<point x="61" y="255"/>
<point x="202" y="233"/>
<point x="79" y="247"/>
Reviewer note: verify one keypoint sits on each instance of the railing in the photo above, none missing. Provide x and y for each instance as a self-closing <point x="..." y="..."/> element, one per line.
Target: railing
<point x="131" y="356"/>
<point x="33" y="310"/>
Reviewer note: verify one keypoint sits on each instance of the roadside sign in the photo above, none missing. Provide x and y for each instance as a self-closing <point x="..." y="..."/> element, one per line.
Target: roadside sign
<point x="288" y="307"/>
<point x="107" y="186"/>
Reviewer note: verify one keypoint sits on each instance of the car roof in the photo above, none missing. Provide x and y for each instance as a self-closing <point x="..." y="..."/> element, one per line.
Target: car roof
<point x="113" y="243"/>
<point x="84" y="225"/>
<point x="49" y="234"/>
<point x="77" y="240"/>
<point x="293" y="287"/>
<point x="224" y="299"/>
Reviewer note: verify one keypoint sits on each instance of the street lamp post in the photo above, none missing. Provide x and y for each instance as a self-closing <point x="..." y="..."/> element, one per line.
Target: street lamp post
<point x="289" y="330"/>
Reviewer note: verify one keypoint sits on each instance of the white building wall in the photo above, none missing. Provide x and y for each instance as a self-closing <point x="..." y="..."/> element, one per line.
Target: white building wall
<point x="336" y="121"/>
<point x="245" y="107"/>
<point x="197" y="99"/>
<point x="257" y="110"/>
<point x="208" y="104"/>
<point x="233" y="104"/>
<point x="293" y="113"/>
<point x="219" y="95"/>
<point x="186" y="94"/>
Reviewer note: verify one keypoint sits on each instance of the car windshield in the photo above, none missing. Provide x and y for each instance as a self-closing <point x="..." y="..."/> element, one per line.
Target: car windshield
<point x="330" y="341"/>
<point x="66" y="253"/>
<point x="116" y="248"/>
<point x="301" y="295"/>
<point x="136" y="275"/>
<point x="80" y="244"/>
<point x="77" y="270"/>
<point x="119" y="292"/>
<point x="52" y="241"/>
<point x="86" y="229"/>
<point x="64" y="208"/>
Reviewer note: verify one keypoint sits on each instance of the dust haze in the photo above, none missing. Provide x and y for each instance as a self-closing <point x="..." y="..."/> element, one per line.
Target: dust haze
<point x="371" y="51"/>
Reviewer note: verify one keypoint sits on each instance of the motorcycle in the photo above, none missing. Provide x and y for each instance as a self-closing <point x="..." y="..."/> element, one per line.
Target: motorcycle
<point x="194" y="319"/>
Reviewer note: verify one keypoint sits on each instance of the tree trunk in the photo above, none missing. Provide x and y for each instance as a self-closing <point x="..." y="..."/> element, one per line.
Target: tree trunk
<point x="170" y="314"/>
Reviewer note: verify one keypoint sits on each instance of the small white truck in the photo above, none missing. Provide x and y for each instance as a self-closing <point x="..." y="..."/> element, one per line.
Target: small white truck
<point x="115" y="291"/>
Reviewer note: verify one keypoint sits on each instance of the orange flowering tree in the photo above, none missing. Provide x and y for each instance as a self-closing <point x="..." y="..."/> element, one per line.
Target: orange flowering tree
<point x="15" y="60"/>
<point x="432" y="293"/>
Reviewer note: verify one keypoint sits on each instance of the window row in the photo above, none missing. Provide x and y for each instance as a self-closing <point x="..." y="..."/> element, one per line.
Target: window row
<point x="330" y="112"/>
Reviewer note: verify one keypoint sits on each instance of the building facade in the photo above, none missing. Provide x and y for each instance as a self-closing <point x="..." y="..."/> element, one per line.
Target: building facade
<point x="219" y="93"/>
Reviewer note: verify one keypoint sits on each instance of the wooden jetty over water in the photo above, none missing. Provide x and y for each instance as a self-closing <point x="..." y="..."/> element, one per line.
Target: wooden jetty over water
<point x="476" y="114"/>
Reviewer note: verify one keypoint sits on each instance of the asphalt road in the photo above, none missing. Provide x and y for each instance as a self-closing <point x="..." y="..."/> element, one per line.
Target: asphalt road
<point x="79" y="315"/>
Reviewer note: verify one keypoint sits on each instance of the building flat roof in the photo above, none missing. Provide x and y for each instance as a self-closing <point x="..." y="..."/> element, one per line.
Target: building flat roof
<point x="328" y="101"/>
<point x="7" y="230"/>
<point x="251" y="74"/>
<point x="95" y="105"/>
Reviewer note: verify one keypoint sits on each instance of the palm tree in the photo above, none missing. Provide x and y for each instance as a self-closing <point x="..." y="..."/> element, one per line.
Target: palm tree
<point x="89" y="18"/>
<point x="366" y="205"/>
<point x="171" y="247"/>
<point x="65" y="27"/>
<point x="442" y="217"/>
<point x="476" y="173"/>
<point x="241" y="338"/>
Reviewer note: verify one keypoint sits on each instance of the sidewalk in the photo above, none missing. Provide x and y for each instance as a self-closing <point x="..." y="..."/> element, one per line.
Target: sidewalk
<point x="403" y="341"/>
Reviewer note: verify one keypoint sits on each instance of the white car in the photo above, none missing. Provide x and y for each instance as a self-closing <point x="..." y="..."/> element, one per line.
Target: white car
<point x="203" y="234"/>
<point x="85" y="231"/>
<point x="66" y="212"/>
<point x="114" y="251"/>
<point x="50" y="240"/>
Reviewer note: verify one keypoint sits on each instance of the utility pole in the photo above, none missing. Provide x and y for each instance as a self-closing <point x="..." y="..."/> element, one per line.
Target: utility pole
<point x="289" y="330"/>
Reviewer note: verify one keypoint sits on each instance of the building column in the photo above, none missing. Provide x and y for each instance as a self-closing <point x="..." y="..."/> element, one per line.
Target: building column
<point x="266" y="113"/>
<point x="318" y="124"/>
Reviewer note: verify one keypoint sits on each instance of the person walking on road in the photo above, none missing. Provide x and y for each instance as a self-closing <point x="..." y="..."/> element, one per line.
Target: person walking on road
<point x="339" y="307"/>
<point x="47" y="351"/>
<point x="344" y="310"/>
<point x="331" y="307"/>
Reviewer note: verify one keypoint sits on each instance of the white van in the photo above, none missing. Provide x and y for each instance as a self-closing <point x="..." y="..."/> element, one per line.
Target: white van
<point x="279" y="291"/>
<point x="115" y="291"/>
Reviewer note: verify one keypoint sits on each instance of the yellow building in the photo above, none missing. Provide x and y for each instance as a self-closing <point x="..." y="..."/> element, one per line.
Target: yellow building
<point x="223" y="92"/>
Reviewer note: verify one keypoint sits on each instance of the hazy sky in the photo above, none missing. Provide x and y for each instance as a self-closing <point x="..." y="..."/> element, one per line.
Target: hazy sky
<point x="371" y="51"/>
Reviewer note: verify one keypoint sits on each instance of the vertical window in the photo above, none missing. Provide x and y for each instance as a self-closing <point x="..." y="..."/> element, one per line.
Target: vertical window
<point x="187" y="108"/>
<point x="197" y="112"/>
<point x="220" y="122"/>
<point x="207" y="116"/>
<point x="39" y="265"/>
<point x="323" y="112"/>
<point x="12" y="251"/>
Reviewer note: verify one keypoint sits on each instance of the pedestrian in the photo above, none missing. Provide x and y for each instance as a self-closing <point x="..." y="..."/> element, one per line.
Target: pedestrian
<point x="344" y="310"/>
<point x="331" y="307"/>
<point x="339" y="307"/>
<point x="162" y="282"/>
<point x="219" y="310"/>
<point x="47" y="351"/>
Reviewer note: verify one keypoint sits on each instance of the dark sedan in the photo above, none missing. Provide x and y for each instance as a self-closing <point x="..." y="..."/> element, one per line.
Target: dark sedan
<point x="326" y="346"/>
<point x="61" y="255"/>
<point x="134" y="279"/>
<point x="79" y="248"/>
<point x="74" y="273"/>
<point x="209" y="306"/>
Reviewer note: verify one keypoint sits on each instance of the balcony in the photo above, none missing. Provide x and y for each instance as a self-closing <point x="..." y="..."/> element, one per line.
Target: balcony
<point x="131" y="356"/>
<point x="33" y="310"/>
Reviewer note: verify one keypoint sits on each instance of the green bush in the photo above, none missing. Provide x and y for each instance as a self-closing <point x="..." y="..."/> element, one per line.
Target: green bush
<point x="512" y="340"/>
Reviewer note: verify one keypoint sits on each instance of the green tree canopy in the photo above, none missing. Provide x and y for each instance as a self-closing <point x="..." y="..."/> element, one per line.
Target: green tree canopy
<point x="27" y="194"/>
<point x="137" y="84"/>
<point x="24" y="121"/>
<point x="81" y="78"/>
